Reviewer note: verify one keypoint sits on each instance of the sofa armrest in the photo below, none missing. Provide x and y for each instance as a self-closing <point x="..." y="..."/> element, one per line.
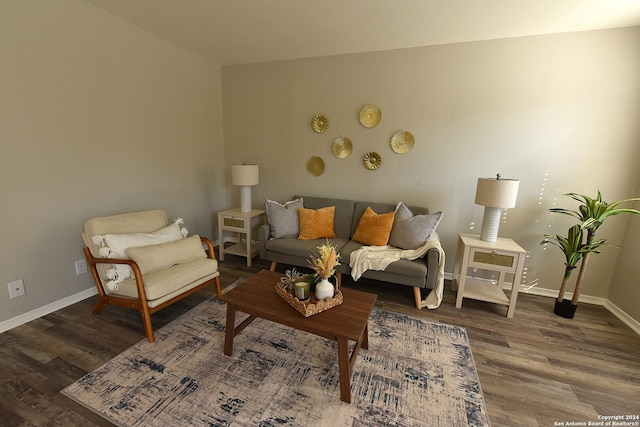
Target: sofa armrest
<point x="432" y="259"/>
<point x="264" y="233"/>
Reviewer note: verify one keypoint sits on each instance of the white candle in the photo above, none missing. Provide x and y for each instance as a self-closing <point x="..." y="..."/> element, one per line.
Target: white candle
<point x="302" y="290"/>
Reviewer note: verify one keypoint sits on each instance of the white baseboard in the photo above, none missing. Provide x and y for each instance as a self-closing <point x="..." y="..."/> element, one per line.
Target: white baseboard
<point x="628" y="320"/>
<point x="47" y="309"/>
<point x="57" y="305"/>
<point x="80" y="296"/>
<point x="553" y="293"/>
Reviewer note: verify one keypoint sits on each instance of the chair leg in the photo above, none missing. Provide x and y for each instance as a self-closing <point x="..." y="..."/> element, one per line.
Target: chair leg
<point x="273" y="266"/>
<point x="218" y="288"/>
<point x="148" y="326"/>
<point x="102" y="303"/>
<point x="338" y="280"/>
<point x="418" y="297"/>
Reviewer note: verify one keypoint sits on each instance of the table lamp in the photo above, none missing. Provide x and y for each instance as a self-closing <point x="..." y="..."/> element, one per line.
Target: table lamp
<point x="495" y="194"/>
<point x="245" y="176"/>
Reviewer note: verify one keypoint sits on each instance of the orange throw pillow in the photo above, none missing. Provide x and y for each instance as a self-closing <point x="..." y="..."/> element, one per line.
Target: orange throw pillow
<point x="316" y="224"/>
<point x="374" y="229"/>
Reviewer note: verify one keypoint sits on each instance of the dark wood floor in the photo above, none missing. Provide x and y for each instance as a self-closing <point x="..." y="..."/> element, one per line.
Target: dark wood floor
<point x="535" y="370"/>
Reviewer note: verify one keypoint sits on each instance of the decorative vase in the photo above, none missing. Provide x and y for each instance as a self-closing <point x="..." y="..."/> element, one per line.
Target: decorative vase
<point x="565" y="309"/>
<point x="324" y="289"/>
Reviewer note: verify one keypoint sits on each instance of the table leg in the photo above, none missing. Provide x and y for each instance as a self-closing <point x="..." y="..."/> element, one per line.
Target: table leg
<point x="512" y="301"/>
<point x="517" y="278"/>
<point x="464" y="263"/>
<point x="220" y="239"/>
<point x="229" y="330"/>
<point x="365" y="338"/>
<point x="343" y="368"/>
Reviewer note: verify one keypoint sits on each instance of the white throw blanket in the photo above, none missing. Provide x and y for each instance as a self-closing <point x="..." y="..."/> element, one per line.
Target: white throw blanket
<point x="379" y="257"/>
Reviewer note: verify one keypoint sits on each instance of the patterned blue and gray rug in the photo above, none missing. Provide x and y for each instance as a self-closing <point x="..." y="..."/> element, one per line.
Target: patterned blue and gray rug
<point x="415" y="373"/>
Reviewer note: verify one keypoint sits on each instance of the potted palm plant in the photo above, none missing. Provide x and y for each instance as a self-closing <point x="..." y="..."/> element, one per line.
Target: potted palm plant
<point x="578" y="245"/>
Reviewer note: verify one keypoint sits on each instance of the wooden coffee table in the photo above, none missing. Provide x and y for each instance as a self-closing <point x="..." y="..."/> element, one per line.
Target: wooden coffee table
<point x="347" y="322"/>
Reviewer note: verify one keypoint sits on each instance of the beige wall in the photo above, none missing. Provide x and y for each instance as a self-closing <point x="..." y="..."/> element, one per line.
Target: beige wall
<point x="559" y="113"/>
<point x="96" y="117"/>
<point x="625" y="287"/>
<point x="99" y="117"/>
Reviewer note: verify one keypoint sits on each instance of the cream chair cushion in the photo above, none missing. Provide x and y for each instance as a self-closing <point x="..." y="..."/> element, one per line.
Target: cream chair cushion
<point x="134" y="222"/>
<point x="157" y="257"/>
<point x="173" y="280"/>
<point x="116" y="245"/>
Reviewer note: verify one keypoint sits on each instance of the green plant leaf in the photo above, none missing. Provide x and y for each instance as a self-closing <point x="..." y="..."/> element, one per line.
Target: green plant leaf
<point x="591" y="214"/>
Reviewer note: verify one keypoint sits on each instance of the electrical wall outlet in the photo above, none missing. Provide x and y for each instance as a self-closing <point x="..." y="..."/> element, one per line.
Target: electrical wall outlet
<point x="16" y="289"/>
<point x="81" y="266"/>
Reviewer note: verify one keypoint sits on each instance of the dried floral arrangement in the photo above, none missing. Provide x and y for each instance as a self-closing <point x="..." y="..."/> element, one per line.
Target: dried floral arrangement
<point x="325" y="262"/>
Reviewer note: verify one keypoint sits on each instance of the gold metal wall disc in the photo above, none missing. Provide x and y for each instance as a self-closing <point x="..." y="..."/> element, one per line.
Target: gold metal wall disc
<point x="372" y="160"/>
<point x="319" y="123"/>
<point x="402" y="142"/>
<point x="370" y="116"/>
<point x="315" y="166"/>
<point x="341" y="147"/>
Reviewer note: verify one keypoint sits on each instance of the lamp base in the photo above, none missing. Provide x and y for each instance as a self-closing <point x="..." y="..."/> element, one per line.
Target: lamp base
<point x="490" y="224"/>
<point x="245" y="198"/>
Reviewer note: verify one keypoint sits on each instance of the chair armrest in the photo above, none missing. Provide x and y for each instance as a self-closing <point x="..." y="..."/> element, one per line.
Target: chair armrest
<point x="93" y="262"/>
<point x="264" y="233"/>
<point x="212" y="254"/>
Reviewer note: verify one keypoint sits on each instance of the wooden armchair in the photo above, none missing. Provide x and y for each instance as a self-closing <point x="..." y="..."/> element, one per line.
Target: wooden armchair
<point x="139" y="260"/>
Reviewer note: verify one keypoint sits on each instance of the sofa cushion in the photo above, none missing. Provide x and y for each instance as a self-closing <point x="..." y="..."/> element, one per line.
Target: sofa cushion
<point x="404" y="267"/>
<point x="374" y="229"/>
<point x="156" y="257"/>
<point x="411" y="231"/>
<point x="360" y="207"/>
<point x="343" y="215"/>
<point x="317" y="223"/>
<point x="301" y="248"/>
<point x="284" y="218"/>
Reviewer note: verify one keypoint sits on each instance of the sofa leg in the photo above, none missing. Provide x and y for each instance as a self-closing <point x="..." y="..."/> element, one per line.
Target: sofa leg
<point x="273" y="266"/>
<point x="418" y="297"/>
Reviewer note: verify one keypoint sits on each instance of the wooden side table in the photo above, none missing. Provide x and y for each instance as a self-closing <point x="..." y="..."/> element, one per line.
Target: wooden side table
<point x="503" y="256"/>
<point x="241" y="223"/>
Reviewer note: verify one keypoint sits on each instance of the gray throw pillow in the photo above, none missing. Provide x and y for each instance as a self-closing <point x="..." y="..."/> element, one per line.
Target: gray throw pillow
<point x="409" y="231"/>
<point x="283" y="218"/>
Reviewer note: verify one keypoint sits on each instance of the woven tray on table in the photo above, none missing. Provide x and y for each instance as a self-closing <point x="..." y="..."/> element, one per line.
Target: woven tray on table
<point x="312" y="305"/>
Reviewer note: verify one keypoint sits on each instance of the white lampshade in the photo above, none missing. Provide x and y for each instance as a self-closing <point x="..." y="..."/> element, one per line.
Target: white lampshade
<point x="495" y="194"/>
<point x="245" y="176"/>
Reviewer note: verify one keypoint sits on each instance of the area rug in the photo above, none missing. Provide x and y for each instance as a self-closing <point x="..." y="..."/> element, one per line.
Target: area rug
<point x="415" y="373"/>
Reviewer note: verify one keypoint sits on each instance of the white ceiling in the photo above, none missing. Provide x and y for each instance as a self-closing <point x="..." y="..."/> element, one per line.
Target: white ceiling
<point x="246" y="31"/>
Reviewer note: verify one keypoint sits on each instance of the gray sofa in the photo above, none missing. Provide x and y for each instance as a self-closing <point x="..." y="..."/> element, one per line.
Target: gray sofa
<point x="419" y="274"/>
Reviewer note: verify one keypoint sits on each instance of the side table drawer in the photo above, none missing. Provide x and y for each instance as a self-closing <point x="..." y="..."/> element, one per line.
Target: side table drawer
<point x="497" y="260"/>
<point x="230" y="222"/>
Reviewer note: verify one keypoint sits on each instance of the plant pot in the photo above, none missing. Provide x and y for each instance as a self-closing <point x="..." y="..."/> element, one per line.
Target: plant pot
<point x="565" y="309"/>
